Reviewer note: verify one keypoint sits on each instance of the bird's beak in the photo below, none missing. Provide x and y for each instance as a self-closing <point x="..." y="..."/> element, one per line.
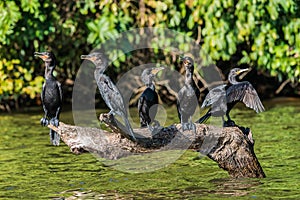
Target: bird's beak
<point x="85" y="57"/>
<point x="41" y="55"/>
<point x="241" y="71"/>
<point x="88" y="57"/>
<point x="156" y="70"/>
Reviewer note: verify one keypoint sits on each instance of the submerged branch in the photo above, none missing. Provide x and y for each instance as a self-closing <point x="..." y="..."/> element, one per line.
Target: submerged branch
<point x="229" y="147"/>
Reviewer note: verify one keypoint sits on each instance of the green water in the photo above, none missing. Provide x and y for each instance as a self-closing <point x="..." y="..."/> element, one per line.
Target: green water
<point x="30" y="168"/>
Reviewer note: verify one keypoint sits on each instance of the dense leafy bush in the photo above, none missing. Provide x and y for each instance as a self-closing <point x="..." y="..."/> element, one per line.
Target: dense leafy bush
<point x="262" y="34"/>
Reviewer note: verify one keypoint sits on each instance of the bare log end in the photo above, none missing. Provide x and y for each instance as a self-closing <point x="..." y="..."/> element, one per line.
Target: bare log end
<point x="235" y="153"/>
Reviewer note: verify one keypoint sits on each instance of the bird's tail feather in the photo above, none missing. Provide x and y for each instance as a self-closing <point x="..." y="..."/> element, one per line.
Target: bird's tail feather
<point x="204" y="118"/>
<point x="54" y="137"/>
<point x="129" y="128"/>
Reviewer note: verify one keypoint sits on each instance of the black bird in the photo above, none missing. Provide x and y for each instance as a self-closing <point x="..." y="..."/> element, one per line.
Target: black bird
<point x="51" y="95"/>
<point x="224" y="97"/>
<point x="109" y="92"/>
<point x="148" y="98"/>
<point x="188" y="96"/>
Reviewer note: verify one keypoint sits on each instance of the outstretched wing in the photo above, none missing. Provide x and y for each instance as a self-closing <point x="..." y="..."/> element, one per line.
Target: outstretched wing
<point x="245" y="93"/>
<point x="214" y="95"/>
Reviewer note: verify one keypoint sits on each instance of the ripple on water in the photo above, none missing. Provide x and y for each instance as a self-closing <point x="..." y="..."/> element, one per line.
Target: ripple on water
<point x="31" y="168"/>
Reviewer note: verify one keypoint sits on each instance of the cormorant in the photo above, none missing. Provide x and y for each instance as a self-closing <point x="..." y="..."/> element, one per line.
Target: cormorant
<point x="51" y="95"/>
<point x="188" y="96"/>
<point x="223" y="98"/>
<point x="109" y="92"/>
<point x="148" y="98"/>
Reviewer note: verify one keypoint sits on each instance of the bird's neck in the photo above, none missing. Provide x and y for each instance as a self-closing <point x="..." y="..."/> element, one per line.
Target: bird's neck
<point x="97" y="74"/>
<point x="49" y="70"/>
<point x="99" y="70"/>
<point x="100" y="66"/>
<point x="188" y="77"/>
<point x="150" y="85"/>
<point x="232" y="80"/>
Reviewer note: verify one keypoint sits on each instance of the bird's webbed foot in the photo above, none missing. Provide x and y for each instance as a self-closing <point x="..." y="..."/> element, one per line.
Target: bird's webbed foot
<point x="188" y="126"/>
<point x="54" y="138"/>
<point x="111" y="112"/>
<point x="229" y="123"/>
<point x="155" y="128"/>
<point x="54" y="122"/>
<point x="44" y="121"/>
<point x="78" y="149"/>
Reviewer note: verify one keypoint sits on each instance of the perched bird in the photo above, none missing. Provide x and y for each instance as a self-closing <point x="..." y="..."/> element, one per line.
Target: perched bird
<point x="224" y="97"/>
<point x="188" y="96"/>
<point x="51" y="95"/>
<point x="109" y="92"/>
<point x="148" y="98"/>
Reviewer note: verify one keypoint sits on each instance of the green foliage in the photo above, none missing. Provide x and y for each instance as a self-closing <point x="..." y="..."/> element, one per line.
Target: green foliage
<point x="265" y="31"/>
<point x="18" y="80"/>
<point x="9" y="15"/>
<point x="262" y="34"/>
<point x="28" y="26"/>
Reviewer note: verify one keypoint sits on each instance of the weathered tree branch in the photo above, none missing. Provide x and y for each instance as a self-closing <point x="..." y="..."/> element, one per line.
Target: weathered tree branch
<point x="229" y="147"/>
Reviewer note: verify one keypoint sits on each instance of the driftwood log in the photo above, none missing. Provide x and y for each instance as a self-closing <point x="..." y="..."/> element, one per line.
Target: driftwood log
<point x="231" y="147"/>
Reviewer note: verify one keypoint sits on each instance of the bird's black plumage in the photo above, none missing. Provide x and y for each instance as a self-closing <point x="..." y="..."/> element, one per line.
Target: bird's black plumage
<point x="51" y="95"/>
<point x="149" y="98"/>
<point x="224" y="97"/>
<point x="188" y="96"/>
<point x="108" y="90"/>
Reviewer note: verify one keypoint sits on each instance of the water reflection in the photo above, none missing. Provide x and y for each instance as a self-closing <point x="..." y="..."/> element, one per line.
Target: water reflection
<point x="31" y="168"/>
<point x="235" y="187"/>
<point x="220" y="188"/>
<point x="78" y="194"/>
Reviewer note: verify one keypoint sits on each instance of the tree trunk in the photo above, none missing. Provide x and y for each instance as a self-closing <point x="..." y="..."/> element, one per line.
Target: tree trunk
<point x="231" y="147"/>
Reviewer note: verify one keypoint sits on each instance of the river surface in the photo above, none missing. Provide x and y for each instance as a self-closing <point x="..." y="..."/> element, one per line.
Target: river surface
<point x="31" y="168"/>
